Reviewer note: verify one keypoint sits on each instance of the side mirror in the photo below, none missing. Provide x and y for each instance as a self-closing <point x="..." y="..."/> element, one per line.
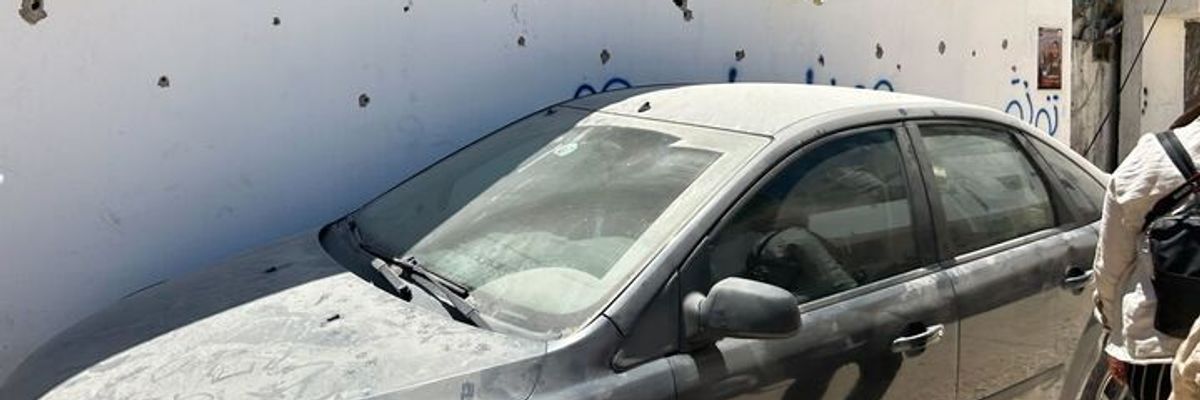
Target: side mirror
<point x="742" y="308"/>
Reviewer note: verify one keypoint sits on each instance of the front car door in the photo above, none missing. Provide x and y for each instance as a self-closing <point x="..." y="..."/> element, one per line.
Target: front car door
<point x="844" y="225"/>
<point x="1007" y="238"/>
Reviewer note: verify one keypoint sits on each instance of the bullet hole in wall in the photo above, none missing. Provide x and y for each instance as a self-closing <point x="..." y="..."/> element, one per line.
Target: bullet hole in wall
<point x="973" y="53"/>
<point x="407" y="8"/>
<point x="942" y="47"/>
<point x="164" y="82"/>
<point x="878" y="51"/>
<point x="1004" y="44"/>
<point x="821" y="59"/>
<point x="683" y="7"/>
<point x="276" y="21"/>
<point x="363" y="100"/>
<point x="739" y="55"/>
<point x="521" y="41"/>
<point x="32" y="11"/>
<point x="1145" y="99"/>
<point x="1014" y="69"/>
<point x="605" y="56"/>
<point x="898" y="67"/>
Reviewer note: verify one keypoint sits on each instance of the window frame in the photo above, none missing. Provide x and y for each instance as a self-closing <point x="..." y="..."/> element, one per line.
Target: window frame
<point x="1064" y="218"/>
<point x="920" y="208"/>
<point x="1078" y="217"/>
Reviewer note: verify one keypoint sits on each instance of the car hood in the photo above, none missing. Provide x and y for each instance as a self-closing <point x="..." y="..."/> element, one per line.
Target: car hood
<point x="284" y="321"/>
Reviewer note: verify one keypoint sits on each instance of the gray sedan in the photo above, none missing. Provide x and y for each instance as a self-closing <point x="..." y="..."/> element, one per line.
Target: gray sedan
<point x="741" y="241"/>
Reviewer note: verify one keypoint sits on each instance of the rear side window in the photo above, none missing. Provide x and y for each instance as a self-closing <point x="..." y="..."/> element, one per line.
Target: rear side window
<point x="1083" y="192"/>
<point x="989" y="189"/>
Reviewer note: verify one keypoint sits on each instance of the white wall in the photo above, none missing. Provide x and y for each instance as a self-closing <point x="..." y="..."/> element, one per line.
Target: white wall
<point x="111" y="183"/>
<point x="1162" y="79"/>
<point x="1153" y="98"/>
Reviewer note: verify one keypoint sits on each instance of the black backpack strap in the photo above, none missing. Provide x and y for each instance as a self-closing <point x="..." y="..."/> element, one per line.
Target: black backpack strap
<point x="1178" y="154"/>
<point x="1183" y="162"/>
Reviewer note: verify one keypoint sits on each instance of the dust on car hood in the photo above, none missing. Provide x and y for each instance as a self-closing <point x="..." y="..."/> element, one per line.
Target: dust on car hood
<point x="284" y="321"/>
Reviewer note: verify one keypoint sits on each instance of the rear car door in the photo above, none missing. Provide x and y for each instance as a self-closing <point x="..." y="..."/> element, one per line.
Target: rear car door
<point x="1003" y="233"/>
<point x="844" y="225"/>
<point x="1083" y="195"/>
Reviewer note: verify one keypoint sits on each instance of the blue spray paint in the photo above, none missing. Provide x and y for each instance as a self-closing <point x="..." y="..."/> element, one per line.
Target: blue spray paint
<point x="810" y="77"/>
<point x="614" y="82"/>
<point x="733" y="74"/>
<point x="585" y="90"/>
<point x="1045" y="117"/>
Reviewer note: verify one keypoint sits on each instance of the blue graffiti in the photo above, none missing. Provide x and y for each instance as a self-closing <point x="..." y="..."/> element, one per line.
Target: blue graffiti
<point x="733" y="74"/>
<point x="810" y="77"/>
<point x="585" y="90"/>
<point x="1031" y="113"/>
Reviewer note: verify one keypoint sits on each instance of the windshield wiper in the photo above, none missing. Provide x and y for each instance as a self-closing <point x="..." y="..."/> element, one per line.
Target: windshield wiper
<point x="397" y="271"/>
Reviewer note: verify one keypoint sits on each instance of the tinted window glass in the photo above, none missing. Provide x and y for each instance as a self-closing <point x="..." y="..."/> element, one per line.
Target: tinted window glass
<point x="989" y="189"/>
<point x="837" y="218"/>
<point x="1082" y="190"/>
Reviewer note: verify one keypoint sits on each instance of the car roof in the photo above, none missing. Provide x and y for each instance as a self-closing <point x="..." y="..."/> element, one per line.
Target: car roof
<point x="756" y="108"/>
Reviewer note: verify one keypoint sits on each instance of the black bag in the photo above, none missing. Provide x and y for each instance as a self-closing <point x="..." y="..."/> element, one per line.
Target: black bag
<point x="1173" y="234"/>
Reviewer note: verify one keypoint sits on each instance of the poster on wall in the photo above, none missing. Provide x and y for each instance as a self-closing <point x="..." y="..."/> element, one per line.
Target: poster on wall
<point x="1050" y="58"/>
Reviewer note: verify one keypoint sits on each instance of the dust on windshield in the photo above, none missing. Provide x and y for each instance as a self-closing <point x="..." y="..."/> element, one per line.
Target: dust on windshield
<point x="547" y="219"/>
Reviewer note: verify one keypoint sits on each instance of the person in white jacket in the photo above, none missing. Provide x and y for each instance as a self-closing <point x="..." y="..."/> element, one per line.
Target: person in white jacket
<point x="1125" y="299"/>
<point x="1185" y="374"/>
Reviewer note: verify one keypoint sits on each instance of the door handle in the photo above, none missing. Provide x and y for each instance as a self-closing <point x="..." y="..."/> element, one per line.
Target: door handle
<point x="931" y="336"/>
<point x="1078" y="278"/>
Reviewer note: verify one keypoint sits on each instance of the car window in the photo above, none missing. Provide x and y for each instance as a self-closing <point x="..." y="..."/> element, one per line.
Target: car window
<point x="838" y="217"/>
<point x="548" y="219"/>
<point x="1083" y="192"/>
<point x="989" y="190"/>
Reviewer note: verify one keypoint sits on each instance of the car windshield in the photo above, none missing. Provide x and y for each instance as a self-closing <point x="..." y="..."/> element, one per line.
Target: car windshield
<point x="548" y="219"/>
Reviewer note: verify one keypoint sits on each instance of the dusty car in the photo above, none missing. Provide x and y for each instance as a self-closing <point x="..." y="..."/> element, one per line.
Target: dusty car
<point x="740" y="241"/>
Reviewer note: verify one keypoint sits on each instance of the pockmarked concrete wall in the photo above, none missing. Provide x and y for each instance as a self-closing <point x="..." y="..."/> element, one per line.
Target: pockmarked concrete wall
<point x="142" y="139"/>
